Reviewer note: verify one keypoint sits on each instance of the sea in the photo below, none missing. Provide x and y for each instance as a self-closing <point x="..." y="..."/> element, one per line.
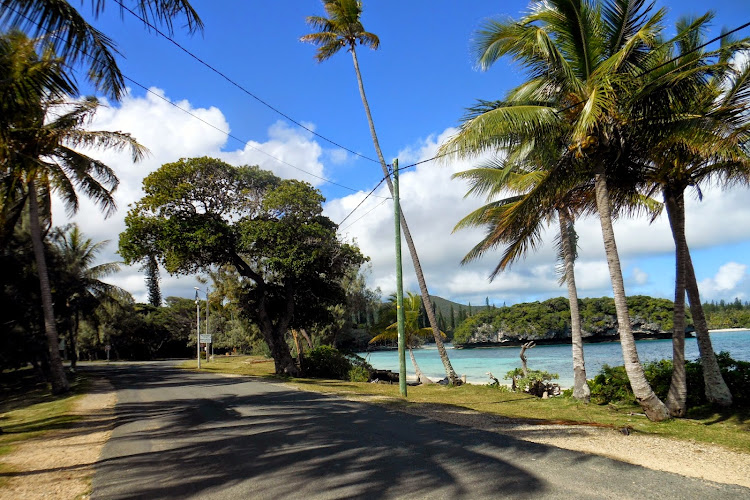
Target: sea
<point x="476" y="362"/>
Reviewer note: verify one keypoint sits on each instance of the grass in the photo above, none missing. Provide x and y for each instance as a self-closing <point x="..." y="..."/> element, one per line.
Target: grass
<point x="730" y="429"/>
<point x="29" y="410"/>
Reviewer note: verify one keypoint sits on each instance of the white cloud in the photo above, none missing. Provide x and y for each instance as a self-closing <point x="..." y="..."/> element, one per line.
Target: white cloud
<point x="731" y="280"/>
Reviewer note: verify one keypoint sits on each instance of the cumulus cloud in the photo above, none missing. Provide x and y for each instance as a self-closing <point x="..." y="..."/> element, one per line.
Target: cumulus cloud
<point x="731" y="280"/>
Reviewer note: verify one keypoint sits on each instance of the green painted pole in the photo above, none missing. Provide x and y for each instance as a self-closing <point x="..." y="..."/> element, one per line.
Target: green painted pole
<point x="399" y="287"/>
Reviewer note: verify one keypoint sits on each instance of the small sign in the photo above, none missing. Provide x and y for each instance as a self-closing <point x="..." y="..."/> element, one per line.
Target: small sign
<point x="206" y="338"/>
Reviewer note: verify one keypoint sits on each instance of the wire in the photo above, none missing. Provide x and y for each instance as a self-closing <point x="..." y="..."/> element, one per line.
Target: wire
<point x="245" y="143"/>
<point x="366" y="214"/>
<point x="363" y="200"/>
<point x="243" y="89"/>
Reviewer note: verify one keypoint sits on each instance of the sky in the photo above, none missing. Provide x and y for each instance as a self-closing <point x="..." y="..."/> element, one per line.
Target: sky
<point x="419" y="84"/>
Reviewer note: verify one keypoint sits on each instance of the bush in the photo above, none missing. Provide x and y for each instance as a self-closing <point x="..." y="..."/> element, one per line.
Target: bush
<point x="612" y="383"/>
<point x="537" y="382"/>
<point x="359" y="374"/>
<point x="326" y="362"/>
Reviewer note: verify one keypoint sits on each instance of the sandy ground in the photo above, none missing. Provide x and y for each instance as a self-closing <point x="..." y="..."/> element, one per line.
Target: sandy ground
<point x="59" y="465"/>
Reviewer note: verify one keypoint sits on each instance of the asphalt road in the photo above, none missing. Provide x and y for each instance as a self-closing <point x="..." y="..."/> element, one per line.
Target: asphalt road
<point x="182" y="434"/>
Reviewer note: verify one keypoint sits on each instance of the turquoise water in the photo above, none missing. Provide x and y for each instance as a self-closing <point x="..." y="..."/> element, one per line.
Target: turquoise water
<point x="475" y="363"/>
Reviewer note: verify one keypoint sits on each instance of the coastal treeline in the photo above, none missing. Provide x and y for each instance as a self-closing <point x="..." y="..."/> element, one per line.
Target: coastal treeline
<point x="550" y="320"/>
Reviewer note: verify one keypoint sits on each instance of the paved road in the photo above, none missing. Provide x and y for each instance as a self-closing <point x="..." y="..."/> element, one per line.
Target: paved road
<point x="181" y="435"/>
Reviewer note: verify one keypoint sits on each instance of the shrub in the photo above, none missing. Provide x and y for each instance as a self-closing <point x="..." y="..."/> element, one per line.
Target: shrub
<point x="359" y="374"/>
<point x="612" y="383"/>
<point x="326" y="362"/>
<point x="537" y="382"/>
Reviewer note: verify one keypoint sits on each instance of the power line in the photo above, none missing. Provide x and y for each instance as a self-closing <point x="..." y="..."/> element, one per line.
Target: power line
<point x="366" y="214"/>
<point x="228" y="134"/>
<point x="243" y="89"/>
<point x="361" y="202"/>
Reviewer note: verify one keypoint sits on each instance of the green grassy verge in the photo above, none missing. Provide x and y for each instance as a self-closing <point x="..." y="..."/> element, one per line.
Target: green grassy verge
<point x="729" y="429"/>
<point x="28" y="410"/>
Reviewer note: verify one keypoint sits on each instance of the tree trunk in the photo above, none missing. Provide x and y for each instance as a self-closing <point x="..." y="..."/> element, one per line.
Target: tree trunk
<point x="57" y="373"/>
<point x="677" y="397"/>
<point x="420" y="376"/>
<point x="74" y="341"/>
<point x="654" y="408"/>
<point x="524" y="367"/>
<point x="716" y="389"/>
<point x="426" y="300"/>
<point x="581" y="390"/>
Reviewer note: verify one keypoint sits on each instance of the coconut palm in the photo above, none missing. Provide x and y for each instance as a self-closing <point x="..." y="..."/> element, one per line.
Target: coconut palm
<point x="39" y="157"/>
<point x="75" y="40"/>
<point x="83" y="289"/>
<point x="581" y="59"/>
<point x="412" y="308"/>
<point x="700" y="102"/>
<point x="343" y="29"/>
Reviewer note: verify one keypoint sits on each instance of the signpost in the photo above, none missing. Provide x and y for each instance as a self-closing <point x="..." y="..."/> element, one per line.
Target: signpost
<point x="206" y="338"/>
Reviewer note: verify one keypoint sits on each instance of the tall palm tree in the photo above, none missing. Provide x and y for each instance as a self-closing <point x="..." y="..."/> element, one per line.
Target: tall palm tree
<point x="581" y="58"/>
<point x="75" y="40"/>
<point x="701" y="101"/>
<point x="343" y="29"/>
<point x="412" y="308"/>
<point x="517" y="220"/>
<point x="39" y="155"/>
<point x="83" y="289"/>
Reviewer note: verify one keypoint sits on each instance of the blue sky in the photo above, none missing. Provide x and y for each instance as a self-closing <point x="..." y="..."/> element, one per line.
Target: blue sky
<point x="418" y="83"/>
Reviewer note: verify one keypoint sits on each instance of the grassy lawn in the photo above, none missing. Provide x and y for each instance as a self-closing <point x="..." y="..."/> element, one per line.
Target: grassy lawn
<point x="28" y="409"/>
<point x="729" y="429"/>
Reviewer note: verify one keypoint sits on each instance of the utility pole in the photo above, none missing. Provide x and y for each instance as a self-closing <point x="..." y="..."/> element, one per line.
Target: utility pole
<point x="198" y="326"/>
<point x="208" y="332"/>
<point x="399" y="287"/>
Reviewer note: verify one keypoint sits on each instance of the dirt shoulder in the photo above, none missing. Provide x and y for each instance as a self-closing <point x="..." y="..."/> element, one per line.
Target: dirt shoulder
<point x="699" y="460"/>
<point x="60" y="464"/>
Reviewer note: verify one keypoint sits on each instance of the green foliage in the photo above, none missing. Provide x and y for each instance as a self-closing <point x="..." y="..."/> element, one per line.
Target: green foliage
<point x="359" y="374"/>
<point x="612" y="383"/>
<point x="536" y="382"/>
<point x="551" y="318"/>
<point x="723" y="314"/>
<point x="326" y="362"/>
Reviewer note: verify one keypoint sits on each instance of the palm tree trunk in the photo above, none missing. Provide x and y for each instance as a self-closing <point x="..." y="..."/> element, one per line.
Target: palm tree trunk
<point x="677" y="397"/>
<point x="654" y="408"/>
<point x="426" y="300"/>
<point x="581" y="390"/>
<point x="716" y="389"/>
<point x="57" y="373"/>
<point x="420" y="376"/>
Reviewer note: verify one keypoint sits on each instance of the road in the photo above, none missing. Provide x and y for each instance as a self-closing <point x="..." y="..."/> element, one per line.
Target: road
<point x="181" y="434"/>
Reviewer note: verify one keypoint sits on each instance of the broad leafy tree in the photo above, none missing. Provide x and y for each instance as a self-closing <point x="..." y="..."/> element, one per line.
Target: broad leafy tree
<point x="343" y="29"/>
<point x="201" y="213"/>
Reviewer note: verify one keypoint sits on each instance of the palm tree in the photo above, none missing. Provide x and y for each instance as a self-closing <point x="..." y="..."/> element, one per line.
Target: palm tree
<point x="581" y="59"/>
<point x="517" y="221"/>
<point x="343" y="29"/>
<point x="75" y="40"/>
<point x="39" y="155"/>
<point x="702" y="112"/>
<point x="412" y="308"/>
<point x="83" y="289"/>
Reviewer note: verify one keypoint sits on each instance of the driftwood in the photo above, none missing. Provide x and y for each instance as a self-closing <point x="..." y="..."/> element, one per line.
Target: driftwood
<point x="384" y="376"/>
<point x="527" y="345"/>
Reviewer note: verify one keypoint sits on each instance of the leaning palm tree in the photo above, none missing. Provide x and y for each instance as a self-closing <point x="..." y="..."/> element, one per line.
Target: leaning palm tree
<point x="83" y="288"/>
<point x="343" y="29"/>
<point x="701" y="102"/>
<point x="39" y="142"/>
<point x="581" y="59"/>
<point x="75" y="40"/>
<point x="412" y="307"/>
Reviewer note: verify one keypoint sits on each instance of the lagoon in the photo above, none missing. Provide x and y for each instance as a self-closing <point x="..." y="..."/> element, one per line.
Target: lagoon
<point x="476" y="362"/>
